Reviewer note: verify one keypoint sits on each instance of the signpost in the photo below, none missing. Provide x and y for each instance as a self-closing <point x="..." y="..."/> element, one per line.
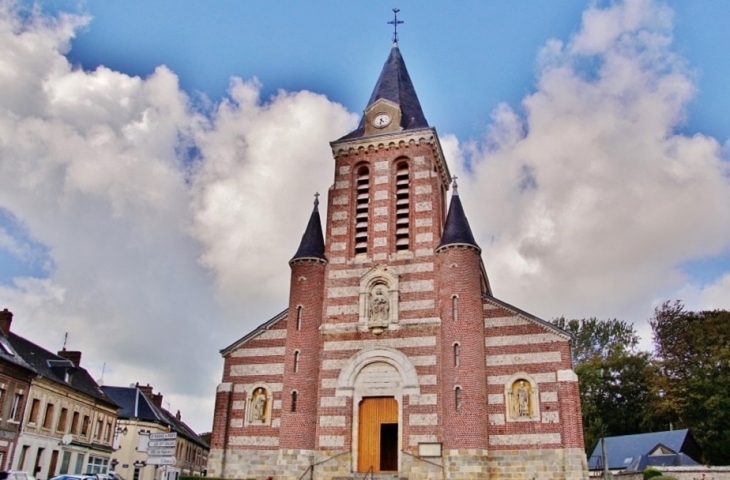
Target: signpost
<point x="161" y="449"/>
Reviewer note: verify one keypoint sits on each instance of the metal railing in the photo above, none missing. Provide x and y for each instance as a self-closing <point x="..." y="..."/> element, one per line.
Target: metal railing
<point x="310" y="469"/>
<point x="369" y="472"/>
<point x="423" y="459"/>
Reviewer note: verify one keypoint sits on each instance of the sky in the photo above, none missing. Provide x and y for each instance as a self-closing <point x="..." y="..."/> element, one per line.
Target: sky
<point x="158" y="161"/>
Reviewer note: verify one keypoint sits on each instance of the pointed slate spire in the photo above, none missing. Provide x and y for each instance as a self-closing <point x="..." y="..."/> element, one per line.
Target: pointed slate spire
<point x="312" y="244"/>
<point x="394" y="84"/>
<point x="457" y="230"/>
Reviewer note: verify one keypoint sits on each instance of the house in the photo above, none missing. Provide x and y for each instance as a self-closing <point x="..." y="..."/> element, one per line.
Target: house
<point x="142" y="414"/>
<point x="642" y="450"/>
<point x="393" y="355"/>
<point x="67" y="422"/>
<point x="15" y="378"/>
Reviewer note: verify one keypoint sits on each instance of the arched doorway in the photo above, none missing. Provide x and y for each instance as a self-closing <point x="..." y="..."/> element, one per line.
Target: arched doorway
<point x="378" y="379"/>
<point x="378" y="435"/>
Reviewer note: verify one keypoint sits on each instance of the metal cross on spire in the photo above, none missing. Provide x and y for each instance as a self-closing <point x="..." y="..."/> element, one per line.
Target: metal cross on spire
<point x="453" y="184"/>
<point x="316" y="200"/>
<point x="395" y="22"/>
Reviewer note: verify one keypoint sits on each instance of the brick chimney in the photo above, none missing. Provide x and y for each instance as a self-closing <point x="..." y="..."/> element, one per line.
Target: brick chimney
<point x="73" y="355"/>
<point x="6" y="318"/>
<point x="157" y="399"/>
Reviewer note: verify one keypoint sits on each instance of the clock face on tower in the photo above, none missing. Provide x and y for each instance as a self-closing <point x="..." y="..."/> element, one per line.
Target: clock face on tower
<point x="381" y="120"/>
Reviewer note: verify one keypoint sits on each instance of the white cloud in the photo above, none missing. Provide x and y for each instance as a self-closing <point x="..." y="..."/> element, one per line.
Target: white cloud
<point x="584" y="206"/>
<point x="143" y="241"/>
<point x="589" y="203"/>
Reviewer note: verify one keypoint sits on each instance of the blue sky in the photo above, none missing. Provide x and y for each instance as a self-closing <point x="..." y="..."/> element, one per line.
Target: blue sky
<point x="618" y="113"/>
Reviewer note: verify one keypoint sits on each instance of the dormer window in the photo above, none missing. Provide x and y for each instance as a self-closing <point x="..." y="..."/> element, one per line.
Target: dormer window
<point x="362" y="205"/>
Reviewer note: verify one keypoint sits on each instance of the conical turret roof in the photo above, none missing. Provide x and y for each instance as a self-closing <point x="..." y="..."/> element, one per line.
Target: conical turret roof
<point x="457" y="230"/>
<point x="312" y="244"/>
<point x="394" y="84"/>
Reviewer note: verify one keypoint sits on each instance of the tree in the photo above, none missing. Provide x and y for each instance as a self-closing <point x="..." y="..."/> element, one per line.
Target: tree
<point x="614" y="378"/>
<point x="693" y="383"/>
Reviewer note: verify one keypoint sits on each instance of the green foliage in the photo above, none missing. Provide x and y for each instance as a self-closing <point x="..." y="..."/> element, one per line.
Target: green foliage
<point x="663" y="477"/>
<point x="615" y="379"/>
<point x="651" y="473"/>
<point x="686" y="383"/>
<point x="593" y="338"/>
<point x="693" y="382"/>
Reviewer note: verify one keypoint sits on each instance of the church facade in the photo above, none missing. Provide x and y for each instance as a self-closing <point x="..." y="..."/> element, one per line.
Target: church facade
<point x="393" y="356"/>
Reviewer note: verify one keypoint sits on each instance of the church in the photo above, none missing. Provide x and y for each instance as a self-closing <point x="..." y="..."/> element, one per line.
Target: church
<point x="393" y="358"/>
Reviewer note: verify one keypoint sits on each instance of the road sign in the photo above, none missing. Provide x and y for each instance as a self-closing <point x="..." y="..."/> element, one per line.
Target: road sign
<point x="163" y="436"/>
<point x="161" y="452"/>
<point x="161" y="443"/>
<point x="161" y="461"/>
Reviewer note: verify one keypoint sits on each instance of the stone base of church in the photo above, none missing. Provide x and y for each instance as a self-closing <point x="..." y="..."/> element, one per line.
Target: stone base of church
<point x="463" y="464"/>
<point x="243" y="463"/>
<point x="545" y="464"/>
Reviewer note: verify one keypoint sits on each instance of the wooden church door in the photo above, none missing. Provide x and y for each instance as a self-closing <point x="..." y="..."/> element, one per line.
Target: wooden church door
<point x="378" y="435"/>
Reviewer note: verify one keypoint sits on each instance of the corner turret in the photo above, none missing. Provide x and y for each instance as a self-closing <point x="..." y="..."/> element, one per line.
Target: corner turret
<point x="311" y="247"/>
<point x="457" y="231"/>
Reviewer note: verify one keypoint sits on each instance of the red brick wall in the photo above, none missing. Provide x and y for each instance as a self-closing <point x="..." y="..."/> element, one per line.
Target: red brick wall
<point x="220" y="418"/>
<point x="307" y="286"/>
<point x="460" y="274"/>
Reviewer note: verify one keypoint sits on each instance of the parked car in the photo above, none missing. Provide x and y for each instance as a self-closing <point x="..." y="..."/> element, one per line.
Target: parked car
<point x="16" y="475"/>
<point x="71" y="476"/>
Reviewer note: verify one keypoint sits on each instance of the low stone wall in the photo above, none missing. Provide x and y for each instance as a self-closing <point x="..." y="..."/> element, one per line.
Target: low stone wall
<point x="683" y="473"/>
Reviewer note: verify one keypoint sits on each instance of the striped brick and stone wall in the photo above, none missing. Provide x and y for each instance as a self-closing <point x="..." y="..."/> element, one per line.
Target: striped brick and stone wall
<point x="344" y="359"/>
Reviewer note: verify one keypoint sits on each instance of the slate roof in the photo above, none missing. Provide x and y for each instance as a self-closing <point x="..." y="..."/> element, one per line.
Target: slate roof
<point x="9" y="354"/>
<point x="312" y="244"/>
<point x="642" y="462"/>
<point x="54" y="367"/>
<point x="135" y="404"/>
<point x="456" y="228"/>
<point x="623" y="451"/>
<point x="395" y="84"/>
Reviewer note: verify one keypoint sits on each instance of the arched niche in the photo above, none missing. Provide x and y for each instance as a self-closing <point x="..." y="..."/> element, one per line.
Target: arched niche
<point x="521" y="398"/>
<point x="259" y="404"/>
<point x="378" y="300"/>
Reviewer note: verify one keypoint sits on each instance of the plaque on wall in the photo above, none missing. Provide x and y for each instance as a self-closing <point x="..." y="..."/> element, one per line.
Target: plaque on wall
<point x="429" y="449"/>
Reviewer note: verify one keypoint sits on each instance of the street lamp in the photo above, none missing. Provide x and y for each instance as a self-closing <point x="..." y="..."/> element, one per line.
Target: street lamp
<point x="117" y="432"/>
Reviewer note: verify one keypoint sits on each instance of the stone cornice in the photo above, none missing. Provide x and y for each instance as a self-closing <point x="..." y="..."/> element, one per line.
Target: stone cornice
<point x="374" y="143"/>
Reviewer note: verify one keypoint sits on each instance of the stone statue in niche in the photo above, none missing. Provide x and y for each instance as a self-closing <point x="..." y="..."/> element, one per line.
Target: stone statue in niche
<point x="379" y="306"/>
<point x="523" y="400"/>
<point x="258" y="406"/>
<point x="520" y="403"/>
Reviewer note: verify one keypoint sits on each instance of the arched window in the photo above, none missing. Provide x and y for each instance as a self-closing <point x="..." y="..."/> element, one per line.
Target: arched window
<point x="299" y="317"/>
<point x="362" y="205"/>
<point x="457" y="397"/>
<point x="296" y="361"/>
<point x="455" y="307"/>
<point x="457" y="347"/>
<point x="294" y="401"/>
<point x="402" y="207"/>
